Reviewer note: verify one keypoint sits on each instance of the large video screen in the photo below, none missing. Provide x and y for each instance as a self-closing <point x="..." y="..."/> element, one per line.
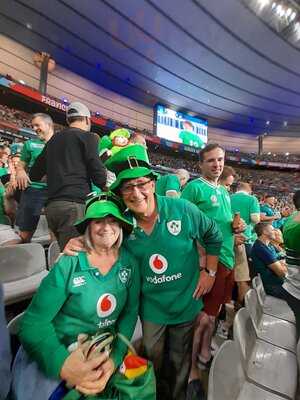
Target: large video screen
<point x="180" y="128"/>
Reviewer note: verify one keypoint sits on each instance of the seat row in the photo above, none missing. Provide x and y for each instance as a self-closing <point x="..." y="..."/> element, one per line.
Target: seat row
<point x="261" y="362"/>
<point x="22" y="267"/>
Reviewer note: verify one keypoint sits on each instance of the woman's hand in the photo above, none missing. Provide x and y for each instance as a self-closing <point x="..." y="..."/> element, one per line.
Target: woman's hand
<point x="76" y="370"/>
<point x="97" y="386"/>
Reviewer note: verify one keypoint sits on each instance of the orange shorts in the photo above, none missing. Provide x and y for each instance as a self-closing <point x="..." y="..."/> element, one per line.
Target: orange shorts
<point x="221" y="292"/>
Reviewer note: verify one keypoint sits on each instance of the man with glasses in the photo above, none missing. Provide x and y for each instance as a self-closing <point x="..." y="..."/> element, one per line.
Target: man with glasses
<point x="164" y="241"/>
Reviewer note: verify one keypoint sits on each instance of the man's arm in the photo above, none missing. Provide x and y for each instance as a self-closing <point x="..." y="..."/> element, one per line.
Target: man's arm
<point x="279" y="268"/>
<point x="96" y="169"/>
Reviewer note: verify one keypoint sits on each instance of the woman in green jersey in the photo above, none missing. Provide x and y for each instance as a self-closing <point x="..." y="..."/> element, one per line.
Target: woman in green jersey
<point x="93" y="292"/>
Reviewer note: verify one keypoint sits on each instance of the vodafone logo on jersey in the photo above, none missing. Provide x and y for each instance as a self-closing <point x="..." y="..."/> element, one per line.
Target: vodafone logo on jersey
<point x="106" y="305"/>
<point x="158" y="263"/>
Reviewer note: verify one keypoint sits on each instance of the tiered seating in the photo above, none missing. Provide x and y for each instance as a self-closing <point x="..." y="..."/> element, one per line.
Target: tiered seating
<point x="273" y="330"/>
<point x="22" y="267"/>
<point x="228" y="381"/>
<point x="272" y="305"/>
<point x="270" y="367"/>
<point x="261" y="363"/>
<point x="42" y="235"/>
<point x="53" y="253"/>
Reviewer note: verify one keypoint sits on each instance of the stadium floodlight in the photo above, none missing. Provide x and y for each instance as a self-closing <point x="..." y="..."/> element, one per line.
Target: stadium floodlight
<point x="264" y="3"/>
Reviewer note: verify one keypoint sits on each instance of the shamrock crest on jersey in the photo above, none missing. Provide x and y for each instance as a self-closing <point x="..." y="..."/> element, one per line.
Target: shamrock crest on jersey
<point x="174" y="227"/>
<point x="124" y="275"/>
<point x="158" y="263"/>
<point x="106" y="305"/>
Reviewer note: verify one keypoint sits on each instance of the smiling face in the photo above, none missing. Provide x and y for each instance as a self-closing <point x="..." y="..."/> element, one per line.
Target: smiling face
<point x="104" y="232"/>
<point x="138" y="195"/>
<point x="213" y="164"/>
<point x="41" y="127"/>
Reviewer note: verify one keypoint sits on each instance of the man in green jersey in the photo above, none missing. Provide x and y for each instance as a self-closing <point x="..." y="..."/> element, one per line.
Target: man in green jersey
<point x="188" y="137"/>
<point x="213" y="199"/>
<point x="170" y="185"/>
<point x="164" y="241"/>
<point x="247" y="205"/>
<point x="34" y="194"/>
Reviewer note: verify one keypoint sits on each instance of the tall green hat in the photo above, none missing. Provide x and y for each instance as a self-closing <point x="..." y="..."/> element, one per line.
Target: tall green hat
<point x="129" y="163"/>
<point x="101" y="206"/>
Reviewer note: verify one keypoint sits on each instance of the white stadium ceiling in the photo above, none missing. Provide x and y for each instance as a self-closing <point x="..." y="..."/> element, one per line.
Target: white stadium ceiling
<point x="234" y="62"/>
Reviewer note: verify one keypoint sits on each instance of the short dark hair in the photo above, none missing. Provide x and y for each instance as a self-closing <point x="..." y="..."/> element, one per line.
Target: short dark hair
<point x="71" y="120"/>
<point x="268" y="195"/>
<point x="227" y="171"/>
<point x="260" y="227"/>
<point x="296" y="199"/>
<point x="208" y="148"/>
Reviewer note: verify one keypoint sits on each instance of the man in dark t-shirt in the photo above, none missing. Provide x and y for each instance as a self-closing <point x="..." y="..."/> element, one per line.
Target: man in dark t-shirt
<point x="266" y="261"/>
<point x="71" y="162"/>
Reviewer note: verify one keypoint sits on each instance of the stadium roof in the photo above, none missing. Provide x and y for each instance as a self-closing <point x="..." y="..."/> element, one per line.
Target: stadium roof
<point x="229" y="61"/>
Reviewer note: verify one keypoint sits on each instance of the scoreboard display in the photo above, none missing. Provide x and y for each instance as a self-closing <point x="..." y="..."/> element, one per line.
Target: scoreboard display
<point x="180" y="127"/>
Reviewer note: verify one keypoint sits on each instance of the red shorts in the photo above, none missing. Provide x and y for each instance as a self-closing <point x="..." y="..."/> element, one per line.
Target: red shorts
<point x="221" y="292"/>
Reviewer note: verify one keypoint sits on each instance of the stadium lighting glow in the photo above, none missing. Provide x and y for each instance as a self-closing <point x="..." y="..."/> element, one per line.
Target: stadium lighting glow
<point x="264" y="3"/>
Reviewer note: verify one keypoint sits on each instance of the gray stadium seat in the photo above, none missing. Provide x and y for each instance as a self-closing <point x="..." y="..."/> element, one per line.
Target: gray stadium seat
<point x="271" y="329"/>
<point x="272" y="368"/>
<point x="22" y="267"/>
<point x="53" y="253"/>
<point x="227" y="379"/>
<point x="14" y="324"/>
<point x="42" y="235"/>
<point x="272" y="305"/>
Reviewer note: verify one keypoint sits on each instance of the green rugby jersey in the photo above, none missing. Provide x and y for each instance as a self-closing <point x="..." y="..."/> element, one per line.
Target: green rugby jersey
<point x="30" y="151"/>
<point x="246" y="204"/>
<point x="167" y="182"/>
<point x="169" y="260"/>
<point x="191" y="139"/>
<point x="76" y="298"/>
<point x="214" y="201"/>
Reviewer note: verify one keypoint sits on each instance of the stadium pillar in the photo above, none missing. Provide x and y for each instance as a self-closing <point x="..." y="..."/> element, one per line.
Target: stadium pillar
<point x="44" y="73"/>
<point x="260" y="144"/>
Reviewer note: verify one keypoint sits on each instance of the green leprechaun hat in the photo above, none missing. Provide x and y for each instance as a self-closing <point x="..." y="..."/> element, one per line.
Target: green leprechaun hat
<point x="101" y="206"/>
<point x="129" y="163"/>
<point x="120" y="132"/>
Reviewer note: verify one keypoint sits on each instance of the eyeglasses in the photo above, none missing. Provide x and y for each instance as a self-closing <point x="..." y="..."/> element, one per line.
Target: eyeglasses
<point x="141" y="186"/>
